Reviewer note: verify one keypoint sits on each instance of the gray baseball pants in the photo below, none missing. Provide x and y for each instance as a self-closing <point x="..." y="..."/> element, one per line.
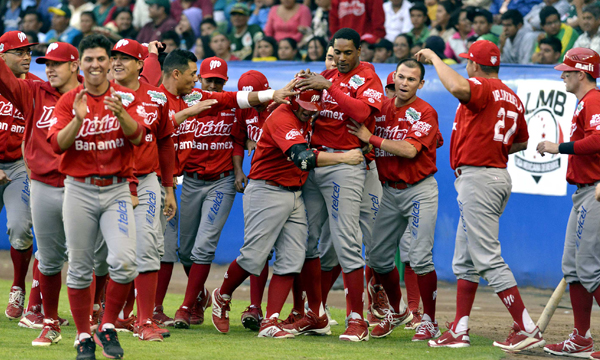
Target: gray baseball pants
<point x="15" y="196"/>
<point x="170" y="228"/>
<point x="147" y="223"/>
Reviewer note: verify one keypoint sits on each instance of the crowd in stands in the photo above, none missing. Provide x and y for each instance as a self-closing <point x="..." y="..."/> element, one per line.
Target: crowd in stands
<point x="527" y="31"/>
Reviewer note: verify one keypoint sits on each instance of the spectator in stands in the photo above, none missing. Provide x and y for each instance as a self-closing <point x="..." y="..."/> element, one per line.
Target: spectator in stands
<point x="12" y="13"/>
<point x="402" y="45"/>
<point x="119" y="4"/>
<point x="243" y="36"/>
<point x="42" y="8"/>
<point x="483" y="20"/>
<point x="32" y="22"/>
<point x="458" y="42"/>
<point x="316" y="49"/>
<point x="471" y="40"/>
<point x="420" y="22"/>
<point x="418" y="46"/>
<point x="573" y="17"/>
<point x="161" y="22"/>
<point x="102" y="9"/>
<point x="590" y="22"/>
<point x="364" y="16"/>
<point x="60" y="30"/>
<point x="178" y="6"/>
<point x="499" y="7"/>
<point x="397" y="18"/>
<point x="202" y="49"/>
<point x="517" y="41"/>
<point x="220" y="44"/>
<point x="367" y="47"/>
<point x="285" y="19"/>
<point x="266" y="50"/>
<point x="550" y="50"/>
<point x="320" y="20"/>
<point x="287" y="49"/>
<point x="171" y="39"/>
<point x="383" y="51"/>
<point x="141" y="14"/>
<point x="260" y="13"/>
<point x="437" y="45"/>
<point x="431" y="8"/>
<point x="77" y="8"/>
<point x="32" y="37"/>
<point x="442" y="26"/>
<point x="188" y="28"/>
<point x="87" y="24"/>
<point x="550" y="20"/>
<point x="124" y="24"/>
<point x="207" y="27"/>
<point x="533" y="17"/>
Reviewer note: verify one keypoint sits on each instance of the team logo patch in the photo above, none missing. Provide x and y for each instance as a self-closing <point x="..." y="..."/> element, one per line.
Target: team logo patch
<point x="493" y="60"/>
<point x="421" y="127"/>
<point x="248" y="88"/>
<point x="357" y="81"/>
<point x="192" y="98"/>
<point x="157" y="97"/>
<point x="215" y="64"/>
<point x="149" y="117"/>
<point x="121" y="42"/>
<point x="52" y="46"/>
<point x="22" y="36"/>
<point x="579" y="108"/>
<point x="373" y="95"/>
<point x="475" y="81"/>
<point x="126" y="98"/>
<point x="595" y="120"/>
<point x="1" y="47"/>
<point x="292" y="134"/>
<point x="412" y="115"/>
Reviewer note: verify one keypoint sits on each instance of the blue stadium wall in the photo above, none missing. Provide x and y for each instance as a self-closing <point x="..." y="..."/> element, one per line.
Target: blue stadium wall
<point x="531" y="230"/>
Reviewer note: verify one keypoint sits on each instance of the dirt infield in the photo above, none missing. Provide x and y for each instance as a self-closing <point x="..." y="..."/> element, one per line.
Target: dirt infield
<point x="489" y="317"/>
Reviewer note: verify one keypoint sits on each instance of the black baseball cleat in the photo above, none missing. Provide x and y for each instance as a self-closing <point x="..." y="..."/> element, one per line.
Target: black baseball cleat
<point x="109" y="342"/>
<point x="86" y="349"/>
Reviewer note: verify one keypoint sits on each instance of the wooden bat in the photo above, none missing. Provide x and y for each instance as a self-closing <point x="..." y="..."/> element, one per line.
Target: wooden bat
<point x="551" y="305"/>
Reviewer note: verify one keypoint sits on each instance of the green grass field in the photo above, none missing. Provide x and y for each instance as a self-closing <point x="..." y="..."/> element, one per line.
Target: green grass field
<point x="204" y="342"/>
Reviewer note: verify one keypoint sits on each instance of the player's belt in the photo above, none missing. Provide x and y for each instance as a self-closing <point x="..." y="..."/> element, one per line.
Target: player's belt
<point x="402" y="185"/>
<point x="197" y="176"/>
<point x="458" y="172"/>
<point x="101" y="180"/>
<point x="582" y="186"/>
<point x="288" y="188"/>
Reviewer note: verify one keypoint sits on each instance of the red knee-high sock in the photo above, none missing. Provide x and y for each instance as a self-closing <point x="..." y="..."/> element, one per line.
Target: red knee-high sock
<point x="187" y="269"/>
<point x="465" y="296"/>
<point x="20" y="260"/>
<point x="311" y="282"/>
<point x="391" y="285"/>
<point x="325" y="281"/>
<point x="100" y="288"/>
<point x="92" y="291"/>
<point x="297" y="290"/>
<point x="279" y="288"/>
<point x="145" y="284"/>
<point x="35" y="295"/>
<point x="412" y="288"/>
<point x="368" y="279"/>
<point x="234" y="277"/>
<point x="79" y="301"/>
<point x="50" y="289"/>
<point x="582" y="302"/>
<point x="335" y="274"/>
<point x="116" y="295"/>
<point x="513" y="302"/>
<point x="257" y="287"/>
<point x="129" y="302"/>
<point x="428" y="288"/>
<point x="196" y="280"/>
<point x="164" y="278"/>
<point x="354" y="287"/>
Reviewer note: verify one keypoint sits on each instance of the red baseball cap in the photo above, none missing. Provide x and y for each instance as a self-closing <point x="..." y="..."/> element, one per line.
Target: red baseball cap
<point x="390" y="79"/>
<point x="129" y="47"/>
<point x="253" y="80"/>
<point x="14" y="40"/>
<point x="581" y="59"/>
<point x="308" y="99"/>
<point x="483" y="52"/>
<point x="60" y="52"/>
<point x="213" y="67"/>
<point x="370" y="38"/>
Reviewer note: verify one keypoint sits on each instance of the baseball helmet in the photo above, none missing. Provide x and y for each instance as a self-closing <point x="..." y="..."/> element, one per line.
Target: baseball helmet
<point x="308" y="99"/>
<point x="581" y="59"/>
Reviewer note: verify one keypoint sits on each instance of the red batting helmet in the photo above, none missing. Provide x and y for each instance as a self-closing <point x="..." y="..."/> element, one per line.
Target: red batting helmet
<point x="581" y="59"/>
<point x="308" y="99"/>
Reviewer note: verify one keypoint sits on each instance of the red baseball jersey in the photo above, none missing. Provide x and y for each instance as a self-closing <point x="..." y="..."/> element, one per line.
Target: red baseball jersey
<point x="585" y="169"/>
<point x="330" y="126"/>
<point x="416" y="123"/>
<point x="281" y="130"/>
<point x="251" y="122"/>
<point x="12" y="123"/>
<point x="486" y="126"/>
<point x="100" y="148"/>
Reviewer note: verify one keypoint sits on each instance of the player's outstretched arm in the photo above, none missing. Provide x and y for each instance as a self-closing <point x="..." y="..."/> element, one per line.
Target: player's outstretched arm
<point x="258" y="97"/>
<point x="457" y="85"/>
<point x="307" y="159"/>
<point x="399" y="148"/>
<point x="199" y="107"/>
<point x="352" y="157"/>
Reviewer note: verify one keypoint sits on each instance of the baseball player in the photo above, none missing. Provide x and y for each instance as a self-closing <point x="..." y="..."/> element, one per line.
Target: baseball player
<point x="279" y="168"/>
<point x="95" y="127"/>
<point x="406" y="143"/>
<point x="353" y="90"/>
<point x="489" y="125"/>
<point x="15" y="50"/>
<point x="581" y="68"/>
<point x="36" y="100"/>
<point x="154" y="160"/>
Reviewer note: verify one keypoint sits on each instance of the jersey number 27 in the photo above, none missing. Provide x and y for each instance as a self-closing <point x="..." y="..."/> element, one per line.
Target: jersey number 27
<point x="501" y="124"/>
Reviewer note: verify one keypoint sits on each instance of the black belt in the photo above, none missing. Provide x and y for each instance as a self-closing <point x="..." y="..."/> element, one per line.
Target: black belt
<point x="402" y="185"/>
<point x="197" y="176"/>
<point x="288" y="188"/>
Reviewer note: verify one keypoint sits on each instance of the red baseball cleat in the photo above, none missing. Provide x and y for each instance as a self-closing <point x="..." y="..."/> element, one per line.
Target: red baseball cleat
<point x="147" y="332"/>
<point x="161" y="317"/>
<point x="33" y="319"/>
<point x="310" y="324"/>
<point x="182" y="318"/>
<point x="519" y="340"/>
<point x="357" y="330"/>
<point x="452" y="339"/>
<point x="272" y="328"/>
<point x="391" y="321"/>
<point x="427" y="330"/>
<point x="16" y="300"/>
<point x="252" y="318"/>
<point x="50" y="334"/>
<point x="575" y="346"/>
<point x="220" y="312"/>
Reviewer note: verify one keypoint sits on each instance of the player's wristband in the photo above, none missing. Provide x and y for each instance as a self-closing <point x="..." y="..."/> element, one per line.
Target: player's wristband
<point x="242" y="99"/>
<point x="266" y="95"/>
<point x="136" y="133"/>
<point x="567" y="148"/>
<point x="375" y="141"/>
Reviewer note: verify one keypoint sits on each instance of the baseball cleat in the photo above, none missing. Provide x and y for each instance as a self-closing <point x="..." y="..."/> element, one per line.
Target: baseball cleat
<point x="414" y="323"/>
<point x="63" y="322"/>
<point x="16" y="300"/>
<point x="161" y="317"/>
<point x="220" y="311"/>
<point x="595" y="355"/>
<point x="272" y="328"/>
<point x="357" y="330"/>
<point x="33" y="319"/>
<point x="109" y="342"/>
<point x="125" y="325"/>
<point x="391" y="321"/>
<point x="519" y="340"/>
<point x="147" y="332"/>
<point x="381" y="304"/>
<point x="332" y="321"/>
<point x="86" y="349"/>
<point x="160" y="329"/>
<point x="252" y="318"/>
<point x="452" y="339"/>
<point x="427" y="330"/>
<point x="50" y="334"/>
<point x="292" y="318"/>
<point x="197" y="312"/>
<point x="310" y="324"/>
<point x="575" y="346"/>
<point x="372" y="320"/>
<point x="182" y="318"/>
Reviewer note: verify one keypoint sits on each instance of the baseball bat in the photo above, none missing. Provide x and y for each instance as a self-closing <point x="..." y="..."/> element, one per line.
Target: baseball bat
<point x="551" y="306"/>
